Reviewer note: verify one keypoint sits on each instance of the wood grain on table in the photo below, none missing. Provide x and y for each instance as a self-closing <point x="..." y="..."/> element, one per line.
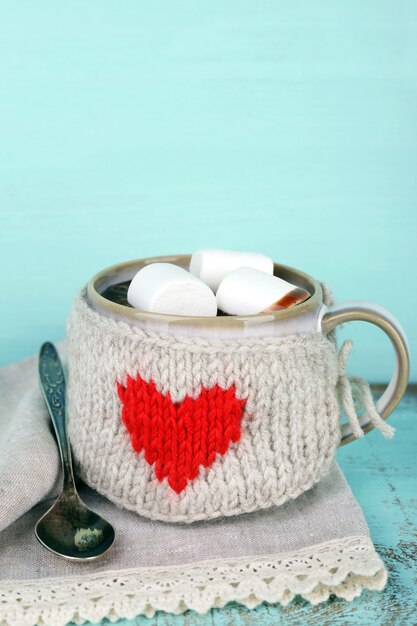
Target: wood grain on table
<point x="382" y="474"/>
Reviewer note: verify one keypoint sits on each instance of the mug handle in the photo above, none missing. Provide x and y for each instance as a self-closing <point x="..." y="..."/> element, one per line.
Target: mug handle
<point x="362" y="310"/>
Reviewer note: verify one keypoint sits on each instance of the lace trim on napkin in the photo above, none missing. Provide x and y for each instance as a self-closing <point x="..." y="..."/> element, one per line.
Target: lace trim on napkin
<point x="343" y="567"/>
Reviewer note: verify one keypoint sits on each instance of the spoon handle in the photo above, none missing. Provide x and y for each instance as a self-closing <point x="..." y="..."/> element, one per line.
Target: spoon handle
<point x="52" y="382"/>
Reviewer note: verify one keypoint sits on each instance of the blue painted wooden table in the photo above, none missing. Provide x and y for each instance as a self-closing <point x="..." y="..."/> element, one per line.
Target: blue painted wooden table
<point x="382" y="475"/>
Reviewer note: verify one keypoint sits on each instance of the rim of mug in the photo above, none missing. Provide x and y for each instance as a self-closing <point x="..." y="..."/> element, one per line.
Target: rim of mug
<point x="121" y="272"/>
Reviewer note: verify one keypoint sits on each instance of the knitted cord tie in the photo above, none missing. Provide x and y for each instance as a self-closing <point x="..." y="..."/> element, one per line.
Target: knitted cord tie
<point x="355" y="393"/>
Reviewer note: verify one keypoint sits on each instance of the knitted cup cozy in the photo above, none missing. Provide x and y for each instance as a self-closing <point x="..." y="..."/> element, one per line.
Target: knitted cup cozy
<point x="182" y="429"/>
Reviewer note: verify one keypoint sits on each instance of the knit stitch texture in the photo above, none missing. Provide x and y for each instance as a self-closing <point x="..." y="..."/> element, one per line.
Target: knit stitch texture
<point x="179" y="437"/>
<point x="182" y="429"/>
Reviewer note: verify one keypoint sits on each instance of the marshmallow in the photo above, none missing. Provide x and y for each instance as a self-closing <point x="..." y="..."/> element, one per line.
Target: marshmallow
<point x="168" y="288"/>
<point x="247" y="291"/>
<point x="212" y="265"/>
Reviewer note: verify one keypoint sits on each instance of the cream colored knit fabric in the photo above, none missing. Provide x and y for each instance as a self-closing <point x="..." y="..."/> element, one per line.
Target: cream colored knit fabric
<point x="290" y="424"/>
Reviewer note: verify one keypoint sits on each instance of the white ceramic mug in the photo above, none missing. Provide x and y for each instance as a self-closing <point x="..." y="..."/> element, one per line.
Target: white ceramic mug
<point x="187" y="418"/>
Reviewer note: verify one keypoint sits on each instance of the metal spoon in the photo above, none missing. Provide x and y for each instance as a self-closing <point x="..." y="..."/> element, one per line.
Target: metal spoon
<point x="69" y="528"/>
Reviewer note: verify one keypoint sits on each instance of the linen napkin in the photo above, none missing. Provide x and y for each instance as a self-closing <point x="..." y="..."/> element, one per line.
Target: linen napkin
<point x="313" y="546"/>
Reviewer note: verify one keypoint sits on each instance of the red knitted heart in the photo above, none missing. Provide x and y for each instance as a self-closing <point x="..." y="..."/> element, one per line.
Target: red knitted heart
<point x="180" y="436"/>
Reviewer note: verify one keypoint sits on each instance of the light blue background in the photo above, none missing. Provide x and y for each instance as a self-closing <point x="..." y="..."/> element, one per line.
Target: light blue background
<point x="130" y="129"/>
